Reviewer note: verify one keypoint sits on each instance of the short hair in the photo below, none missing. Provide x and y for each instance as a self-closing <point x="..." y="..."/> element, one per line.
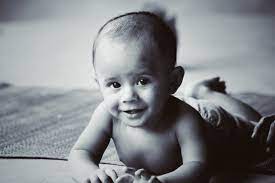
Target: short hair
<point x="136" y="25"/>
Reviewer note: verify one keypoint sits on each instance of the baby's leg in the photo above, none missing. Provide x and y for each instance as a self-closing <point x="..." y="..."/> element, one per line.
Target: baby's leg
<point x="214" y="90"/>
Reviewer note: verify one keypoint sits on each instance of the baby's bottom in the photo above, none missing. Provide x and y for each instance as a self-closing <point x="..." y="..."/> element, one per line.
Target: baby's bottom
<point x="231" y="121"/>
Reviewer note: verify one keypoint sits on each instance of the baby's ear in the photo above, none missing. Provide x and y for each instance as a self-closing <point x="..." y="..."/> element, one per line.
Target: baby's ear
<point x="176" y="77"/>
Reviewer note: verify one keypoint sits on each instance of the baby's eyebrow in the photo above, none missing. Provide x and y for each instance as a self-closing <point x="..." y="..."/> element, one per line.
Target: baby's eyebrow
<point x="145" y="72"/>
<point x="110" y="79"/>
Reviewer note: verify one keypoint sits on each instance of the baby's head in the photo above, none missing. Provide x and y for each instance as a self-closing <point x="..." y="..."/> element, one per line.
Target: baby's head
<point x="144" y="27"/>
<point x="134" y="57"/>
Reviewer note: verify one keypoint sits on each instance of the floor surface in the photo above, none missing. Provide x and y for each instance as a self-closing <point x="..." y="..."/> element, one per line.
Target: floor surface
<point x="34" y="171"/>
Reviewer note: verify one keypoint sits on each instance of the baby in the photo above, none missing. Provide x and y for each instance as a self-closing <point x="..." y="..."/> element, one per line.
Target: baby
<point x="162" y="137"/>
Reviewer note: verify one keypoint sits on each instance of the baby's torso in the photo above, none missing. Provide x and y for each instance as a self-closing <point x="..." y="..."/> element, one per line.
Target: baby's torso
<point x="157" y="152"/>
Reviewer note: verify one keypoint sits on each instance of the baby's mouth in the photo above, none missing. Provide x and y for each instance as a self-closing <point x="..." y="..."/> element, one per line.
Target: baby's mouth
<point x="134" y="111"/>
<point x="133" y="117"/>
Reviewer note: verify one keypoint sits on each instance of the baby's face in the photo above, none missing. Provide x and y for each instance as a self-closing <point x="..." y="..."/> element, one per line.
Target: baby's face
<point x="132" y="80"/>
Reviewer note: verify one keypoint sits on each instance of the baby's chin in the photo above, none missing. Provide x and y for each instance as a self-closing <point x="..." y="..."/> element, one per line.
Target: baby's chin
<point x="134" y="123"/>
<point x="134" y="120"/>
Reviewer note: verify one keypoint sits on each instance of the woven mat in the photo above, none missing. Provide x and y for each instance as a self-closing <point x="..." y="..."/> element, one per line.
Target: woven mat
<point x="45" y="123"/>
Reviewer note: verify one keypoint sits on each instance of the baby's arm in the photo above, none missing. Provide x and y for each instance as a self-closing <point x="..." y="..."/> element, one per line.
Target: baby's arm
<point x="90" y="146"/>
<point x="190" y="135"/>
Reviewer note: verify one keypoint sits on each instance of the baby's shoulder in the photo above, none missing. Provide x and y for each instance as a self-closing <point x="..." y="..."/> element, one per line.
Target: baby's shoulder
<point x="186" y="115"/>
<point x="101" y="117"/>
<point x="184" y="110"/>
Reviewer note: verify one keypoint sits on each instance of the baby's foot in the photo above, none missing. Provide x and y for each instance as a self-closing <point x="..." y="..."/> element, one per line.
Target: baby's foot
<point x="201" y="88"/>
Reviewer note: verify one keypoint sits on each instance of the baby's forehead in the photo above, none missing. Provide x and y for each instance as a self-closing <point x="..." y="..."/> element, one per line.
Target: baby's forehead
<point x="148" y="45"/>
<point x="118" y="57"/>
<point x="146" y="50"/>
<point x="145" y="39"/>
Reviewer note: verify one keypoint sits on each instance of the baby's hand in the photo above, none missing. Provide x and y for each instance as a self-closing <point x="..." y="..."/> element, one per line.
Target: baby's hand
<point x="102" y="176"/>
<point x="142" y="176"/>
<point x="137" y="176"/>
<point x="264" y="132"/>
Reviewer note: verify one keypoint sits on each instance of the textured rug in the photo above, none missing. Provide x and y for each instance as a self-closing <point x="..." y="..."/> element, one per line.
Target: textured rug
<point x="45" y="123"/>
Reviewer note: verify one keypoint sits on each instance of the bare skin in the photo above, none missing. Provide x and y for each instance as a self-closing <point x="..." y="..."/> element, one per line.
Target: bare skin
<point x="160" y="136"/>
<point x="214" y="90"/>
<point x="157" y="150"/>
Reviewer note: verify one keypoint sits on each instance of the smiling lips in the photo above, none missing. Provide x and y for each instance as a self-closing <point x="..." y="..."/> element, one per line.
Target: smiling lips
<point x="134" y="113"/>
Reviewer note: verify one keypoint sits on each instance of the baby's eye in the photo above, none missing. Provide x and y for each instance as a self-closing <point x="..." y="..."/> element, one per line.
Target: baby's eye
<point x="114" y="85"/>
<point x="143" y="81"/>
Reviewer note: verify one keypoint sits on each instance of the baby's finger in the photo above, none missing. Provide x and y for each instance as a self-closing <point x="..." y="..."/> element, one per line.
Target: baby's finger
<point x="111" y="173"/>
<point x="93" y="179"/>
<point x="256" y="130"/>
<point x="125" y="179"/>
<point x="103" y="177"/>
<point x="261" y="129"/>
<point x="271" y="138"/>
<point x="142" y="174"/>
<point x="154" y="179"/>
<point x="129" y="170"/>
<point x="139" y="172"/>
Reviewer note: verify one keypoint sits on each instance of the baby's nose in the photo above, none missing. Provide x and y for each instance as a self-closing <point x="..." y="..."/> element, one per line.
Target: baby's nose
<point x="129" y="95"/>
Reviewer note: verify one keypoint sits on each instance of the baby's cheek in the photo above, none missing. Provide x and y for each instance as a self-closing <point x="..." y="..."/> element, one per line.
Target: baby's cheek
<point x="148" y="96"/>
<point x="152" y="95"/>
<point x="111" y="102"/>
<point x="156" y="99"/>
